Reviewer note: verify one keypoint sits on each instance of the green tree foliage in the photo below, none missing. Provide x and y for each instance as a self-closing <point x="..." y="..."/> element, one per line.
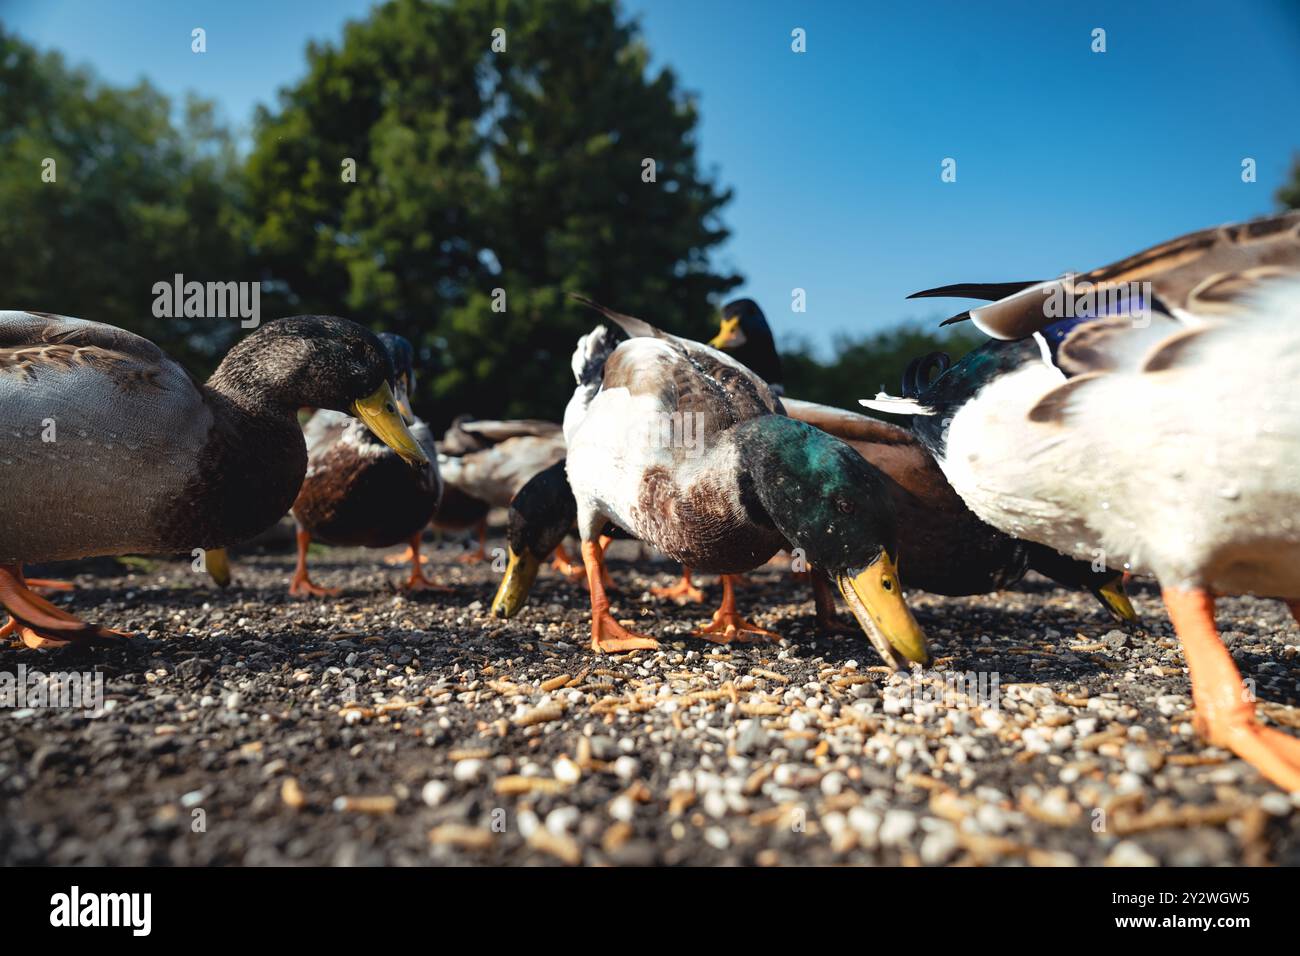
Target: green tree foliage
<point x="479" y="170"/>
<point x="864" y="365"/>
<point x="134" y="200"/>
<point x="1289" y="192"/>
<point x="476" y="170"/>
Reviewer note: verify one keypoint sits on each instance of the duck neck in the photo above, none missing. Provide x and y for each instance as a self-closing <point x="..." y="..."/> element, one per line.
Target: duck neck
<point x="759" y="355"/>
<point x="247" y="476"/>
<point x="241" y="387"/>
<point x="765" y="481"/>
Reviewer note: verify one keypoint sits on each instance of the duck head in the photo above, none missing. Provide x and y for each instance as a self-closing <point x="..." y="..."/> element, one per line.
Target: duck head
<point x="541" y="513"/>
<point x="744" y="334"/>
<point x="403" y="357"/>
<point x="827" y="501"/>
<point x="319" y="362"/>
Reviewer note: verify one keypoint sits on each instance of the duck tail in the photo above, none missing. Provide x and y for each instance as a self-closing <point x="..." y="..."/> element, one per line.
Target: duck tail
<point x="634" y="327"/>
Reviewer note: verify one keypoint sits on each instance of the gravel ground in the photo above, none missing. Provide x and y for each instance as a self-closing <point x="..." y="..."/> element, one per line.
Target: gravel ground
<point x="245" y="727"/>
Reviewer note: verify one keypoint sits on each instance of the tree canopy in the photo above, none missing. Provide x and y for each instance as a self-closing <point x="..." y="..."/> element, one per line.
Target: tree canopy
<point x="489" y="182"/>
<point x="448" y="170"/>
<point x="103" y="196"/>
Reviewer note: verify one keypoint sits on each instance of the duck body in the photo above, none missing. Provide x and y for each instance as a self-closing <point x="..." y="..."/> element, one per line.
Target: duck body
<point x="484" y="463"/>
<point x="111" y="448"/>
<point x="685" y="495"/>
<point x="689" y="451"/>
<point x="358" y="492"/>
<point x="144" y="459"/>
<point x="943" y="547"/>
<point x="494" y="472"/>
<point x="1164" y="438"/>
<point x="456" y="510"/>
<point x="1201" y="489"/>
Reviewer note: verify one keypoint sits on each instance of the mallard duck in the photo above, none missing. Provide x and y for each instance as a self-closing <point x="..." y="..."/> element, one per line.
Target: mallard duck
<point x="358" y="492"/>
<point x="142" y="458"/>
<point x="943" y="547"/>
<point x="743" y="333"/>
<point x="689" y="451"/>
<point x="1147" y="412"/>
<point x="541" y="515"/>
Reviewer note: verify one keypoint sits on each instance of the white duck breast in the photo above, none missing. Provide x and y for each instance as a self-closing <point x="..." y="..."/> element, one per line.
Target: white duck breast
<point x="653" y="453"/>
<point x="1185" y="464"/>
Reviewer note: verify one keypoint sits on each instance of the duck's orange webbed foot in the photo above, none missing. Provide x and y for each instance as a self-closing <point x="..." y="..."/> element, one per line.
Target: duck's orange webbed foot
<point x="406" y="557"/>
<point x="417" y="581"/>
<point x="607" y="635"/>
<point x="610" y="637"/>
<point x="727" y="624"/>
<point x="38" y="623"/>
<point x="301" y="585"/>
<point x="1225" y="710"/>
<point x="561" y="562"/>
<point x="683" y="592"/>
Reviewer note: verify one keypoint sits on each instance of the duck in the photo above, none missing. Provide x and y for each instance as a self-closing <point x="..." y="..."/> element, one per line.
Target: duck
<point x="689" y="451"/>
<point x="540" y="516"/>
<point x="943" y="547"/>
<point x="484" y="462"/>
<point x="143" y="458"/>
<point x="743" y="333"/>
<point x="1036" y="430"/>
<point x="358" y="492"/>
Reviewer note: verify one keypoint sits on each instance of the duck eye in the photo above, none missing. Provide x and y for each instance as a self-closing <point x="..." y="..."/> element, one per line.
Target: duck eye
<point x="845" y="506"/>
<point x="887" y="583"/>
<point x="388" y="407"/>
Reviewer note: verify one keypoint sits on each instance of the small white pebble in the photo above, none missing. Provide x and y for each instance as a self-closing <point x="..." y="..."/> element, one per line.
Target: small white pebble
<point x="898" y="827"/>
<point x="467" y="771"/>
<point x="622" y="808"/>
<point x="434" y="792"/>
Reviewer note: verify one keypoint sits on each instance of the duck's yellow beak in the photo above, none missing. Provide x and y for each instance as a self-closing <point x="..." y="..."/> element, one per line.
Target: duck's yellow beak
<point x="875" y="596"/>
<point x="218" y="564"/>
<point x="521" y="571"/>
<point x="1115" y="600"/>
<point x="380" y="413"/>
<point x="729" y="335"/>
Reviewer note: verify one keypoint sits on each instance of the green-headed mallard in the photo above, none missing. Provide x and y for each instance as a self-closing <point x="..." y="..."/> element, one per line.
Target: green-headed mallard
<point x="689" y="451"/>
<point x="358" y="492"/>
<point x="943" y="547"/>
<point x="142" y="458"/>
<point x="1147" y="412"/>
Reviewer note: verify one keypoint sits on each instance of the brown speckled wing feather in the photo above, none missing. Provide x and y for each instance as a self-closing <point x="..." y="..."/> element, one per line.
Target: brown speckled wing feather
<point x="32" y="341"/>
<point x="1204" y="272"/>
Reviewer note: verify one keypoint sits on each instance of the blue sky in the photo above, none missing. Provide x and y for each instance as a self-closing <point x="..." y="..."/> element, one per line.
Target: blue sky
<point x="1066" y="158"/>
